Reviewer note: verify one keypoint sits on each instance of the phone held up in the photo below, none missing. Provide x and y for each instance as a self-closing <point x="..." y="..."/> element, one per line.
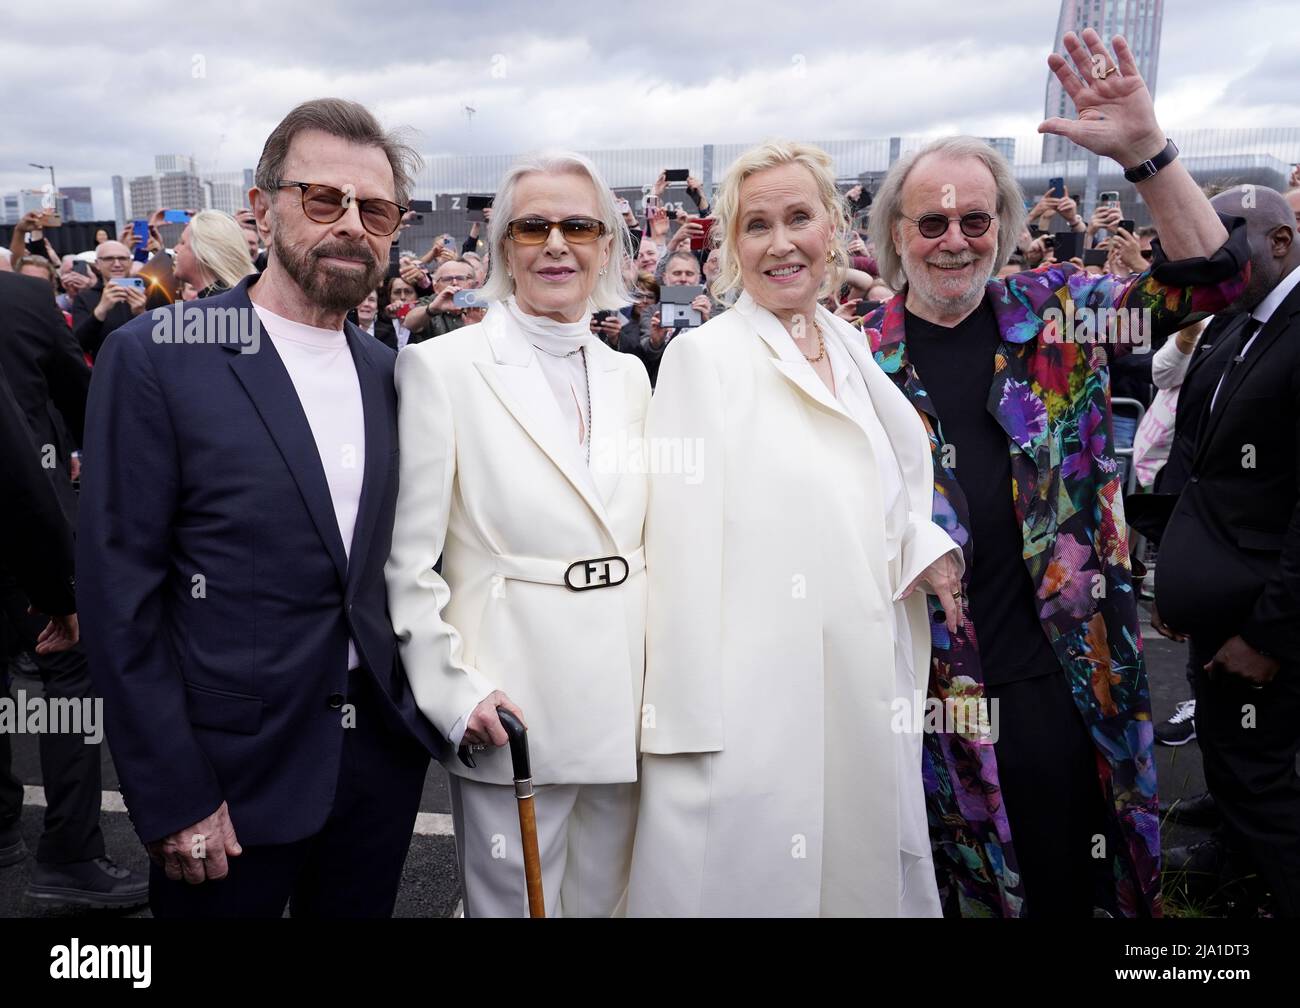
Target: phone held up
<point x="472" y="298"/>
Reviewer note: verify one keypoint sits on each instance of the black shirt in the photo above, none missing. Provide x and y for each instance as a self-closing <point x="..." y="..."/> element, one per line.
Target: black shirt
<point x="956" y="368"/>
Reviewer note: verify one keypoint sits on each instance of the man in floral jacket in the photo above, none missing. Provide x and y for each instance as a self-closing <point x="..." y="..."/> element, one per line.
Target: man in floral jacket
<point x="1054" y="811"/>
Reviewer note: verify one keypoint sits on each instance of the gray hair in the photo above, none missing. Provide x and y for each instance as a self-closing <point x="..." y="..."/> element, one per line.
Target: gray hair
<point x="887" y="206"/>
<point x="348" y="121"/>
<point x="661" y="270"/>
<point x="610" y="292"/>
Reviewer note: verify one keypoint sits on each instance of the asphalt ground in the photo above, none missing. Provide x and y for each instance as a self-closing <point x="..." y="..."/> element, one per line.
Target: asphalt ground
<point x="430" y="880"/>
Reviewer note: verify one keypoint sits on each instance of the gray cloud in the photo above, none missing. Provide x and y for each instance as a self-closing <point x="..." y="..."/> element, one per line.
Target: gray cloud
<point x="213" y="80"/>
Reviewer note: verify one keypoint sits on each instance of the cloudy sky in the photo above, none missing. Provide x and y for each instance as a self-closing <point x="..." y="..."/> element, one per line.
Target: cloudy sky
<point x="98" y="89"/>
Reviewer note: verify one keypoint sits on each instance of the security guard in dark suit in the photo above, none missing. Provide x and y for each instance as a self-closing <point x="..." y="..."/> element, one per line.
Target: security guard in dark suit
<point x="1229" y="572"/>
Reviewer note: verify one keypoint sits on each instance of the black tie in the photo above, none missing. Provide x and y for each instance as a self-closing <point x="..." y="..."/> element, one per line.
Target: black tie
<point x="1247" y="333"/>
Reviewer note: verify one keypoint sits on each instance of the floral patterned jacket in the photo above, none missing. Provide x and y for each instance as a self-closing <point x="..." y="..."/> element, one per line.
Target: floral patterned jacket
<point x="1051" y="396"/>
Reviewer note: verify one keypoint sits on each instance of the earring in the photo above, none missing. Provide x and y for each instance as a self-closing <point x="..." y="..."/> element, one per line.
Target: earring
<point x="602" y="272"/>
<point x="830" y="255"/>
<point x="509" y="275"/>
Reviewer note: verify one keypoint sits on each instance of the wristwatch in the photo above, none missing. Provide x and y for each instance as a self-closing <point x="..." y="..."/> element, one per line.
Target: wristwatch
<point x="1148" y="168"/>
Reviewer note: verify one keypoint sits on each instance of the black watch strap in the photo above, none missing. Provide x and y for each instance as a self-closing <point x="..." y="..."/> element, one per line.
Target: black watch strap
<point x="1143" y="171"/>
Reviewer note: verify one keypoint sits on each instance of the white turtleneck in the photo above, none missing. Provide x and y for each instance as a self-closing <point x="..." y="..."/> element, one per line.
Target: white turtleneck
<point x="556" y="346"/>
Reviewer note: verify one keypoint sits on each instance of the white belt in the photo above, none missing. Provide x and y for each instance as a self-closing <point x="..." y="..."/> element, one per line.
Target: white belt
<point x="576" y="575"/>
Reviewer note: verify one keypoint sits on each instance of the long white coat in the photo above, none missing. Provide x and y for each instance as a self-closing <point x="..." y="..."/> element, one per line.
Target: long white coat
<point x="769" y="580"/>
<point x="494" y="482"/>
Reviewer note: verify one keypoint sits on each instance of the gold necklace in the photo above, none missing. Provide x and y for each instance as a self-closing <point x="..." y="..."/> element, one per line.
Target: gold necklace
<point x="821" y="343"/>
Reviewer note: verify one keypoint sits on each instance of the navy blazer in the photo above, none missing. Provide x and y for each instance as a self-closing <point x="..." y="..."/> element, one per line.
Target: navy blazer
<point x="215" y="596"/>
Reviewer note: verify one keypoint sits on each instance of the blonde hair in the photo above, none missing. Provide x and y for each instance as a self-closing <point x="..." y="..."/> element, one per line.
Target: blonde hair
<point x="727" y="208"/>
<point x="610" y="292"/>
<point x="219" y="245"/>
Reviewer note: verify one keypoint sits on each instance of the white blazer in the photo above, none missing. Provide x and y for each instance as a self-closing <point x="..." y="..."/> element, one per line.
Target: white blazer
<point x="713" y="539"/>
<point x="776" y="642"/>
<point x="494" y="482"/>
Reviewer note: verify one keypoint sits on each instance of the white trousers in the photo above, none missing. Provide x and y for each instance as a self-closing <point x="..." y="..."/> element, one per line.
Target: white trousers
<point x="584" y="836"/>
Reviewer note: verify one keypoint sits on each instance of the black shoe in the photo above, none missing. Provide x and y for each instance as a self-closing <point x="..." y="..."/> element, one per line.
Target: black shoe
<point x="12" y="849"/>
<point x="1199" y="810"/>
<point x="1204" y="858"/>
<point x="97" y="883"/>
<point x="1180" y="728"/>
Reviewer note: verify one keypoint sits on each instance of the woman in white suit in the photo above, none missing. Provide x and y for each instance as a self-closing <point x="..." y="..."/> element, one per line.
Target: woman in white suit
<point x="784" y="624"/>
<point x="540" y="605"/>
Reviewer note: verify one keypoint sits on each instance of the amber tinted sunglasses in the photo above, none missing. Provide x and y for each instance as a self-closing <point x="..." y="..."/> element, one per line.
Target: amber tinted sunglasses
<point x="325" y="204"/>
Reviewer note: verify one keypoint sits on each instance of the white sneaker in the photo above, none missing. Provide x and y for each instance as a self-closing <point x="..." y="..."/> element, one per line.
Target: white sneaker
<point x="1180" y="728"/>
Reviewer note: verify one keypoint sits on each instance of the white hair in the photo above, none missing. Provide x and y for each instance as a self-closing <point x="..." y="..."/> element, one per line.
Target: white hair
<point x="610" y="292"/>
<point x="887" y="207"/>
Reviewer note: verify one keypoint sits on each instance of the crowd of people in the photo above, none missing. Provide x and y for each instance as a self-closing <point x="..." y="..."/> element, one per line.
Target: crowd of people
<point x="302" y="573"/>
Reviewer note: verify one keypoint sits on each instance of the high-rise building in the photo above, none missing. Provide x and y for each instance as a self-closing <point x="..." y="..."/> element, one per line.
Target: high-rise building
<point x="10" y="213"/>
<point x="228" y="190"/>
<point x="181" y="190"/>
<point x="80" y="203"/>
<point x="163" y="163"/>
<point x="1137" y="20"/>
<point x="174" y="185"/>
<point x="144" y="196"/>
<point x="119" y="201"/>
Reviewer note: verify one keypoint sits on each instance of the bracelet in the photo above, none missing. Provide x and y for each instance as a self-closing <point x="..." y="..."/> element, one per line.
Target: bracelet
<point x="1149" y="167"/>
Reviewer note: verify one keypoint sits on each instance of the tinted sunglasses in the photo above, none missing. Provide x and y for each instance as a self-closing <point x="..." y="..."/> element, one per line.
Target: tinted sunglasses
<point x="325" y="204"/>
<point x="934" y="225"/>
<point x="536" y="231"/>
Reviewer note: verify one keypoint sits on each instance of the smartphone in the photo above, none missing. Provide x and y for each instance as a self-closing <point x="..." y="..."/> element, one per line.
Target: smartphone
<point x="422" y="205"/>
<point x="476" y="205"/>
<point x="1094" y="257"/>
<point x="700" y="243"/>
<point x="51" y="219"/>
<point x="600" y="316"/>
<point x="1068" y="244"/>
<point x="1128" y="226"/>
<point x="472" y="298"/>
<point x="394" y="262"/>
<point x="176" y="216"/>
<point x="1056" y="187"/>
<point x="135" y="282"/>
<point x="651" y="202"/>
<point x="78" y="266"/>
<point x="1109" y="198"/>
<point x="141" y="229"/>
<point x="623" y="205"/>
<point x="677" y="174"/>
<point x="675" y="311"/>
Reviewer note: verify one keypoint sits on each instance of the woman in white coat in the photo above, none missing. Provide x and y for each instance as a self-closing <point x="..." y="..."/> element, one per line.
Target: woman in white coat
<point x="511" y="471"/>
<point x="785" y="629"/>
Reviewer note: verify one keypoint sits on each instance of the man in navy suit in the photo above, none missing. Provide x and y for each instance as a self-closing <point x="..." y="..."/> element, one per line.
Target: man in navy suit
<point x="240" y="474"/>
